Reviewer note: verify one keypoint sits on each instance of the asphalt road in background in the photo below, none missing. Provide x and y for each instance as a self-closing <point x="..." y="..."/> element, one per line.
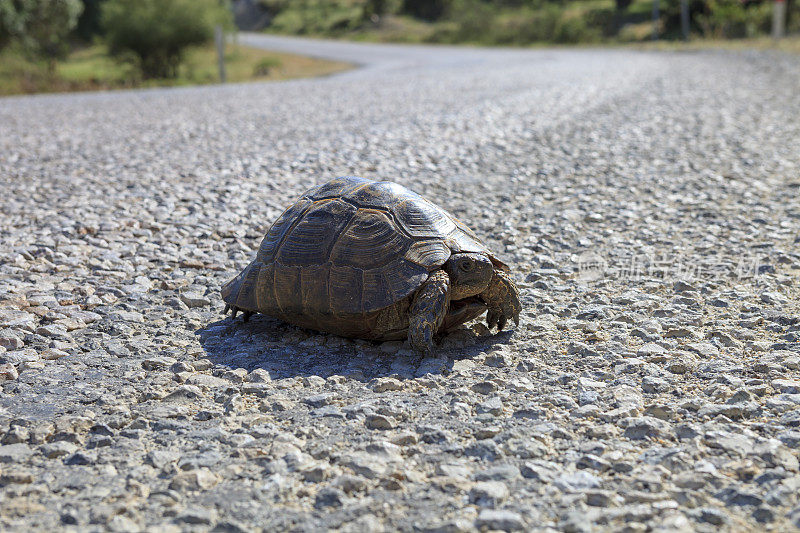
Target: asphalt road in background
<point x="646" y="202"/>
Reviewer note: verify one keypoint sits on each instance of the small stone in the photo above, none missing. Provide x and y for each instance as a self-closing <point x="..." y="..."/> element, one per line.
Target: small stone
<point x="198" y="516"/>
<point x="791" y="418"/>
<point x="51" y="354"/>
<point x="593" y="462"/>
<point x="9" y="341"/>
<point x="715" y="517"/>
<point x="739" y="497"/>
<point x="703" y="349"/>
<point x="498" y="473"/>
<point x="650" y="350"/>
<point x="54" y="331"/>
<point x="237" y="375"/>
<point x="158" y="363"/>
<point x="259" y="375"/>
<point x="790" y="438"/>
<point x="644" y="426"/>
<point x="654" y="385"/>
<point x="313" y="381"/>
<point x="16" y="434"/>
<point x="350" y="484"/>
<point x="200" y="479"/>
<point x="457" y="525"/>
<point x="58" y="448"/>
<point x="161" y="458"/>
<point x="775" y="454"/>
<point x="234" y="404"/>
<point x="680" y="333"/>
<point x="184" y="393"/>
<point x="15" y="477"/>
<point x="660" y="411"/>
<point x="488" y="493"/>
<point x="683" y="286"/>
<point x="316" y="473"/>
<point x="328" y="411"/>
<point x="329" y="497"/>
<point x="499" y="520"/>
<point x="374" y="421"/>
<point x="387" y="384"/>
<point x="601" y="498"/>
<point x="787" y="386"/>
<point x="15" y="453"/>
<point x="484" y="387"/>
<point x="486" y="432"/>
<point x="8" y="372"/>
<point x="194" y="299"/>
<point x="404" y="439"/>
<point x="493" y="406"/>
<point x="577" y="481"/>
<point x="366" y="465"/>
<point x="319" y="400"/>
<point x="763" y="515"/>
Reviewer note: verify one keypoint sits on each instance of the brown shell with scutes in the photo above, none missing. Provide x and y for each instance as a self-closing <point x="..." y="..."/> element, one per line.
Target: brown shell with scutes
<point x="347" y="257"/>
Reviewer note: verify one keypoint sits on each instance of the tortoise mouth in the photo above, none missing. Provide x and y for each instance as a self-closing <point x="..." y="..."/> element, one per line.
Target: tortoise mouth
<point x="465" y="302"/>
<point x="462" y="311"/>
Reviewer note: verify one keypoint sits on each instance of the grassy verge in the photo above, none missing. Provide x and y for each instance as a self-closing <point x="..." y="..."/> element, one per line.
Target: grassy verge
<point x="789" y="44"/>
<point x="91" y="68"/>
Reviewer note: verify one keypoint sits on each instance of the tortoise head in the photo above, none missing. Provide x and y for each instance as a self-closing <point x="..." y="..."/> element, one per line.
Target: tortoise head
<point x="470" y="274"/>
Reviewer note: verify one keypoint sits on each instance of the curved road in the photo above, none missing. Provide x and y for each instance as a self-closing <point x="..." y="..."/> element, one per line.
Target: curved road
<point x="647" y="204"/>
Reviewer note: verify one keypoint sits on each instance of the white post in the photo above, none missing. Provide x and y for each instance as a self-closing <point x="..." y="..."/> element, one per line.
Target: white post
<point x="685" y="19"/>
<point x="219" y="37"/>
<point x="656" y="16"/>
<point x="778" y="19"/>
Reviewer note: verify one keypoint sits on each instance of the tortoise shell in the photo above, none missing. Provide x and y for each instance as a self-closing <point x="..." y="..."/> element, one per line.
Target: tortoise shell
<point x="347" y="249"/>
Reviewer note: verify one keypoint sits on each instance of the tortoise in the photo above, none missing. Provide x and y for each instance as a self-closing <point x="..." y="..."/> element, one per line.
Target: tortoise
<point x="373" y="260"/>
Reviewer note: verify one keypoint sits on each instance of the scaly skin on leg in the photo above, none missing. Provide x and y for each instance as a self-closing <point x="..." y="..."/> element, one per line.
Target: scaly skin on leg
<point x="428" y="311"/>
<point x="502" y="299"/>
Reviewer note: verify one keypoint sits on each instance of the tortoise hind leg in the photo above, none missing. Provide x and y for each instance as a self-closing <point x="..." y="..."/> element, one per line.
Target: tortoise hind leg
<point x="235" y="310"/>
<point x="428" y="311"/>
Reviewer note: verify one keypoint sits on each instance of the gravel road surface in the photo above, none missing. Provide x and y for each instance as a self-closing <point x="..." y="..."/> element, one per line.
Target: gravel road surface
<point x="646" y="202"/>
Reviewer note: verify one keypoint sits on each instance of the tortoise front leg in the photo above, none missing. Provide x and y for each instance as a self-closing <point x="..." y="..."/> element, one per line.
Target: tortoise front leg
<point x="502" y="299"/>
<point x="428" y="311"/>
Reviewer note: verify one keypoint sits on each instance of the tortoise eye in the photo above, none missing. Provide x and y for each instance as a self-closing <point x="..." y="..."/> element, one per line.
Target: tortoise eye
<point x="466" y="265"/>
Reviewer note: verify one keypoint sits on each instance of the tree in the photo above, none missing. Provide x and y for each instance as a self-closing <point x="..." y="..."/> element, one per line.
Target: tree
<point x="158" y="32"/>
<point x="46" y="26"/>
<point x="41" y="26"/>
<point x="426" y="9"/>
<point x="89" y="21"/>
<point x="12" y="20"/>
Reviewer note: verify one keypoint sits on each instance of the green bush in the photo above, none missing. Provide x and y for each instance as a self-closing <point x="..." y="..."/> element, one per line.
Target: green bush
<point x="156" y="33"/>
<point x="329" y="17"/>
<point x="526" y="25"/>
<point x="265" y="66"/>
<point x="731" y="19"/>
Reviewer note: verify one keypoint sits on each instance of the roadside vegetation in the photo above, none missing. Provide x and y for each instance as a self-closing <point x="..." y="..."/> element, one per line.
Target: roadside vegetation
<point x="521" y="22"/>
<point x="74" y="45"/>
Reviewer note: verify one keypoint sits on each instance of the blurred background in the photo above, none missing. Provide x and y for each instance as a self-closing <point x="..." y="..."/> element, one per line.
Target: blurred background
<point x="69" y="45"/>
